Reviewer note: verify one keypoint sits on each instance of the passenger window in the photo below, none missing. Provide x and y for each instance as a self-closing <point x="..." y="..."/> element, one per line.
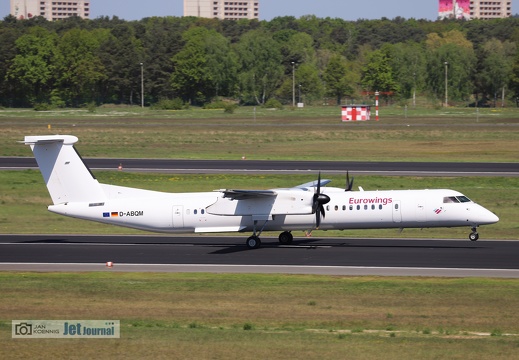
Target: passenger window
<point x="343" y="207"/>
<point x="396" y="206"/>
<point x="365" y="207"/>
<point x="202" y="211"/>
<point x="194" y="211"/>
<point x="380" y="207"/>
<point x="358" y="207"/>
<point x="372" y="207"/>
<point x="351" y="207"/>
<point x="336" y="207"/>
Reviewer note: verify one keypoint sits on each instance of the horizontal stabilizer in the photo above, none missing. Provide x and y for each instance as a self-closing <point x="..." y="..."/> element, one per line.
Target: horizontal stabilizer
<point x="48" y="139"/>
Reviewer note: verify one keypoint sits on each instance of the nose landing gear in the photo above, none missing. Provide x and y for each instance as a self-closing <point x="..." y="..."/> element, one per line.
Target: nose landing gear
<point x="474" y="236"/>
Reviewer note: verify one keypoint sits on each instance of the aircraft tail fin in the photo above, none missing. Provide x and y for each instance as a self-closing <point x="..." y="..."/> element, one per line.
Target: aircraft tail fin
<point x="67" y="177"/>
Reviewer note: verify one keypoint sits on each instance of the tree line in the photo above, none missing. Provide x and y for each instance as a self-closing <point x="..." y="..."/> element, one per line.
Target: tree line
<point x="74" y="62"/>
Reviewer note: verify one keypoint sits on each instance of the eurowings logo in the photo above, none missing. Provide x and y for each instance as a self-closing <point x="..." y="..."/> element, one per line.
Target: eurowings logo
<point x="438" y="210"/>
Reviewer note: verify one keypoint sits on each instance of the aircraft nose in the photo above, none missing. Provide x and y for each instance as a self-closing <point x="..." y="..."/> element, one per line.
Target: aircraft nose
<point x="485" y="217"/>
<point x="492" y="218"/>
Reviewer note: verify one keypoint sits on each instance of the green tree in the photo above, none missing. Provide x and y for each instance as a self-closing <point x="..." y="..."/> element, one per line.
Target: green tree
<point x="121" y="54"/>
<point x="78" y="66"/>
<point x="260" y="69"/>
<point x="32" y="70"/>
<point x="298" y="50"/>
<point x="205" y="66"/>
<point x="161" y="40"/>
<point x="435" y="41"/>
<point x="407" y="61"/>
<point x="514" y="78"/>
<point x="222" y="65"/>
<point x="495" y="68"/>
<point x="461" y="64"/>
<point x="452" y="48"/>
<point x="8" y="38"/>
<point x="377" y="74"/>
<point x="338" y="78"/>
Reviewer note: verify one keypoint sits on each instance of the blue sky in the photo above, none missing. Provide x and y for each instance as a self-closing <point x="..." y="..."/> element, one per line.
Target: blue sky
<point x="346" y="9"/>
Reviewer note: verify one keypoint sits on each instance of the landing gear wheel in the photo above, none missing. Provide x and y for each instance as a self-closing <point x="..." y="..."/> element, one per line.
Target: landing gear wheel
<point x="474" y="236"/>
<point x="286" y="238"/>
<point x="253" y="242"/>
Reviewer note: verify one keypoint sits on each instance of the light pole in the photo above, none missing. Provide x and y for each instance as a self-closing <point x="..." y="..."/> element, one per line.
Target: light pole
<point x="293" y="85"/>
<point x="142" y="85"/>
<point x="446" y="79"/>
<point x="414" y="90"/>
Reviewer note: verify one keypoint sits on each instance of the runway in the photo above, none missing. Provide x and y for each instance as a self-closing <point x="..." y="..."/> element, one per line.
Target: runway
<point x="330" y="256"/>
<point x="285" y="167"/>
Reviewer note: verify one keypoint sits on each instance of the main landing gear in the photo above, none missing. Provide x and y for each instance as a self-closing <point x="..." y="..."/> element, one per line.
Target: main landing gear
<point x="286" y="238"/>
<point x="254" y="242"/>
<point x="474" y="236"/>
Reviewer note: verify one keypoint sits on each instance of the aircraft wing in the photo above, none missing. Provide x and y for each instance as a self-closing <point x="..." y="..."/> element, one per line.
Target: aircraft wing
<point x="247" y="194"/>
<point x="259" y="194"/>
<point x="262" y="202"/>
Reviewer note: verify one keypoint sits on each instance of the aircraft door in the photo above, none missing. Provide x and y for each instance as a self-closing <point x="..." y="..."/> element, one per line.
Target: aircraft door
<point x="397" y="212"/>
<point x="178" y="216"/>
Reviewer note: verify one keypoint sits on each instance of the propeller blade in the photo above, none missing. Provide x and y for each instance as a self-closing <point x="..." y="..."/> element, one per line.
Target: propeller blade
<point x="319" y="201"/>
<point x="349" y="184"/>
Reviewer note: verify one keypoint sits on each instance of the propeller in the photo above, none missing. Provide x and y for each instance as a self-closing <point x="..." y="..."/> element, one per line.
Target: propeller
<point x="319" y="201"/>
<point x="349" y="184"/>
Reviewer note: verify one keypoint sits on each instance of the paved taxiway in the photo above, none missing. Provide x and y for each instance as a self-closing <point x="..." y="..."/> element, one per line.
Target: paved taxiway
<point x="286" y="167"/>
<point x="337" y="256"/>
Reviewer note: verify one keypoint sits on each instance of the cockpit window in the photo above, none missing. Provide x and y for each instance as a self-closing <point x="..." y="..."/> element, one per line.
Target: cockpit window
<point x="455" y="199"/>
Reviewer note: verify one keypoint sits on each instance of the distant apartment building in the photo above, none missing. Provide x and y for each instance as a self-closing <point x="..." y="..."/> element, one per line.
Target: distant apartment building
<point x="490" y="9"/>
<point x="50" y="10"/>
<point x="474" y="9"/>
<point x="228" y="10"/>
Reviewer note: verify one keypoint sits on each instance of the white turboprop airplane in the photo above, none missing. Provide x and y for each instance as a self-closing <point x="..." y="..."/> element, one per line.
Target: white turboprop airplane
<point x="75" y="192"/>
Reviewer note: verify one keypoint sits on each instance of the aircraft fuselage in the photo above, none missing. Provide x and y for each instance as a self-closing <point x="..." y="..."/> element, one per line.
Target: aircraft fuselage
<point x="191" y="212"/>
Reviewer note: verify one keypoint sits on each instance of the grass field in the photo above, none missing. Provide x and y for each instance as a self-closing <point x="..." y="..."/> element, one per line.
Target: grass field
<point x="215" y="316"/>
<point x="310" y="133"/>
